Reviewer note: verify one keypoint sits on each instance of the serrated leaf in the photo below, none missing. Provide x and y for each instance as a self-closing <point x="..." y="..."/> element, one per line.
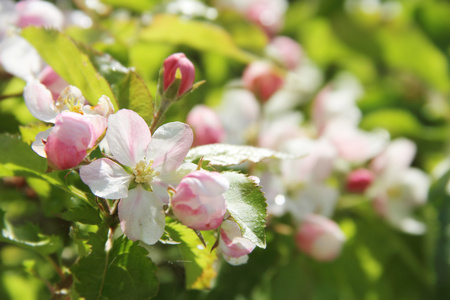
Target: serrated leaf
<point x="63" y="55"/>
<point x="124" y="272"/>
<point x="199" y="35"/>
<point x="198" y="259"/>
<point x="229" y="155"/>
<point x="28" y="237"/>
<point x="247" y="205"/>
<point x="80" y="211"/>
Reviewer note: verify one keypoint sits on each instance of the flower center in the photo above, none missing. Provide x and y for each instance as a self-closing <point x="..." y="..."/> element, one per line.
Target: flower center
<point x="144" y="173"/>
<point x="71" y="104"/>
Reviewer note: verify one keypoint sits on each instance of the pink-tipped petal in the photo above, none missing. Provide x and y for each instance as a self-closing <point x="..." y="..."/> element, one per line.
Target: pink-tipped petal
<point x="99" y="125"/>
<point x="39" y="13"/>
<point x="39" y="101"/>
<point x="199" y="202"/>
<point x="128" y="137"/>
<point x="106" y="179"/>
<point x="231" y="242"/>
<point x="54" y="83"/>
<point x="169" y="146"/>
<point x="141" y="216"/>
<point x="67" y="144"/>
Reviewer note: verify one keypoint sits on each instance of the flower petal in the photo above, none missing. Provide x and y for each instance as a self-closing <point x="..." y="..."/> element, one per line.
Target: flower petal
<point x="128" y="137"/>
<point x="141" y="216"/>
<point x="19" y="58"/>
<point x="39" y="101"/>
<point x="169" y="146"/>
<point x="106" y="179"/>
<point x="38" y="145"/>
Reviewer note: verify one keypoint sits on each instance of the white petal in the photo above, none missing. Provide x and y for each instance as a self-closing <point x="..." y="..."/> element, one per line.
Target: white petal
<point x="39" y="101"/>
<point x="141" y="216"/>
<point x="38" y="145"/>
<point x="169" y="146"/>
<point x="128" y="137"/>
<point x="19" y="58"/>
<point x="106" y="179"/>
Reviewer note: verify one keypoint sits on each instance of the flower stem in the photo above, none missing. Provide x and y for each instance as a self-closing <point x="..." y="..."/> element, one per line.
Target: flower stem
<point x="158" y="116"/>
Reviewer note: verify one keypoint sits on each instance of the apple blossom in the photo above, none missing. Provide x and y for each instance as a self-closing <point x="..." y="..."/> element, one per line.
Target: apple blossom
<point x="206" y="124"/>
<point x="42" y="106"/>
<point x="359" y="180"/>
<point x="175" y="62"/>
<point x="320" y="238"/>
<point x="52" y="81"/>
<point x="286" y="51"/>
<point x="145" y="166"/>
<point x="233" y="246"/>
<point x="262" y="79"/>
<point x="70" y="140"/>
<point x="199" y="202"/>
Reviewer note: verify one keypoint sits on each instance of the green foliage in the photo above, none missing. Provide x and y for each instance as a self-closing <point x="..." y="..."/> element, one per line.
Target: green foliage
<point x="230" y="155"/>
<point x="198" y="259"/>
<point x="201" y="36"/>
<point x="63" y="55"/>
<point x="118" y="271"/>
<point x="28" y="237"/>
<point x="248" y="207"/>
<point x="82" y="212"/>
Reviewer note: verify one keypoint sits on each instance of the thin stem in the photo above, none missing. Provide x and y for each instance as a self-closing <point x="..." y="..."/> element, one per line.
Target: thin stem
<point x="157" y="118"/>
<point x="3" y="97"/>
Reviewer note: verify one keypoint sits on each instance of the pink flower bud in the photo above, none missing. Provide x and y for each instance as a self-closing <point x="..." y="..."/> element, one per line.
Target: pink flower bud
<point x="262" y="79"/>
<point x="68" y="142"/>
<point x="206" y="125"/>
<point x="359" y="180"/>
<point x="233" y="245"/>
<point x="199" y="202"/>
<point x="171" y="65"/>
<point x="319" y="237"/>
<point x="52" y="81"/>
<point x="285" y="50"/>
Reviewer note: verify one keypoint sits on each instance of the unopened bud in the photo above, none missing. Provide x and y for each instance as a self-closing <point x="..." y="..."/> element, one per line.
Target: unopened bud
<point x="359" y="180"/>
<point x="177" y="66"/>
<point x="262" y="79"/>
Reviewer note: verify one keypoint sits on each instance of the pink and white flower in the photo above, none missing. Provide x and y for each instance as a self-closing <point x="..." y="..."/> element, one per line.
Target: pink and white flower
<point x="69" y="141"/>
<point x="207" y="126"/>
<point x="41" y="104"/>
<point x="320" y="238"/>
<point x="145" y="166"/>
<point x="286" y="51"/>
<point x="233" y="246"/>
<point x="199" y="202"/>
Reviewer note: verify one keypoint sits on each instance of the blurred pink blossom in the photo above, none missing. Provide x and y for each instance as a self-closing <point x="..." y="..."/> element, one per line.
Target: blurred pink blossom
<point x="206" y="124"/>
<point x="262" y="80"/>
<point x="320" y="238"/>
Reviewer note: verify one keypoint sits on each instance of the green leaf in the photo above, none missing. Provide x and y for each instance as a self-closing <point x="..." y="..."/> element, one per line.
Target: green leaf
<point x="198" y="261"/>
<point x="440" y="197"/>
<point x="28" y="237"/>
<point x="29" y="132"/>
<point x="82" y="212"/>
<point x="129" y="88"/>
<point x="247" y="205"/>
<point x="196" y="34"/>
<point x="123" y="272"/>
<point x="135" y="5"/>
<point x="398" y="122"/>
<point x="229" y="155"/>
<point x="63" y="55"/>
